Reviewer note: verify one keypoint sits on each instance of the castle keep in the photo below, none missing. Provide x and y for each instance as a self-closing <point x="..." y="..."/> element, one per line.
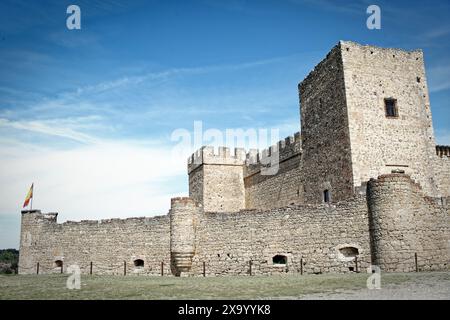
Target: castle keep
<point x="364" y="183"/>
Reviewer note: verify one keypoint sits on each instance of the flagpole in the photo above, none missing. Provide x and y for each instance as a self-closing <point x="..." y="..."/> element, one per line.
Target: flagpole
<point x="32" y="196"/>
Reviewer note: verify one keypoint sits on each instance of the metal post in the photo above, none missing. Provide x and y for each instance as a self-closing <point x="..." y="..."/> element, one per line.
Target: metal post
<point x="162" y="268"/>
<point x="415" y="260"/>
<point x="124" y="268"/>
<point x="90" y="270"/>
<point x="37" y="268"/>
<point x="204" y="269"/>
<point x="250" y="264"/>
<point x="301" y="266"/>
<point x="356" y="264"/>
<point x="62" y="266"/>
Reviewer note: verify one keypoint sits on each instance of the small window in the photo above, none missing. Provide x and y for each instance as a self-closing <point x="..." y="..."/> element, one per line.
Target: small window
<point x="391" y="108"/>
<point x="279" y="259"/>
<point x="326" y="196"/>
<point x="139" y="263"/>
<point x="349" y="252"/>
<point x="58" y="263"/>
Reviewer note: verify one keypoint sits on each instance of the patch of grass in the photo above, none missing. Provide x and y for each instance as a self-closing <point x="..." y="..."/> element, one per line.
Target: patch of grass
<point x="146" y="287"/>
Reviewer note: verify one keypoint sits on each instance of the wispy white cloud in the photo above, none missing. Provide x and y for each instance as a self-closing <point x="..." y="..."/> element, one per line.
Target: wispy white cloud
<point x="354" y="7"/>
<point x="166" y="74"/>
<point x="439" y="78"/>
<point x="55" y="127"/>
<point x="437" y="32"/>
<point x="73" y="40"/>
<point x="105" y="97"/>
<point x="105" y="179"/>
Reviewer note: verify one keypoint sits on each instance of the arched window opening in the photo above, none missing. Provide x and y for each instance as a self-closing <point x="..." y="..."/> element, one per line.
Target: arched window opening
<point x="139" y="263"/>
<point x="279" y="260"/>
<point x="349" y="252"/>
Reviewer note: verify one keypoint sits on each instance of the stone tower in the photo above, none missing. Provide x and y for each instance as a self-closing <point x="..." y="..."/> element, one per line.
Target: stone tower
<point x="392" y="222"/>
<point x="326" y="160"/>
<point x="217" y="180"/>
<point x="32" y="241"/>
<point x="403" y="230"/>
<point x="183" y="218"/>
<point x="365" y="111"/>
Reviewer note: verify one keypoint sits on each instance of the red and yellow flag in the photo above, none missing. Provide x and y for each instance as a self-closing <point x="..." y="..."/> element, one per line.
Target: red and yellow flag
<point x="29" y="196"/>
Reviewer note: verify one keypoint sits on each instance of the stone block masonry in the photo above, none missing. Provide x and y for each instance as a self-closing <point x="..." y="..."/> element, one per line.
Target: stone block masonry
<point x="266" y="191"/>
<point x="364" y="183"/>
<point x="311" y="238"/>
<point x="105" y="243"/>
<point x="381" y="142"/>
<point x="442" y="170"/>
<point x="388" y="227"/>
<point x="404" y="222"/>
<point x="326" y="160"/>
<point x="183" y="221"/>
<point x="217" y="179"/>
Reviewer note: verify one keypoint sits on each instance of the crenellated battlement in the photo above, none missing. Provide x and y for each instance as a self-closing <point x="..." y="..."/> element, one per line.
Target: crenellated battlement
<point x="53" y="216"/>
<point x="396" y="178"/>
<point x="183" y="202"/>
<point x="253" y="159"/>
<point x="220" y="156"/>
<point x="443" y="151"/>
<point x="38" y="215"/>
<point x="274" y="155"/>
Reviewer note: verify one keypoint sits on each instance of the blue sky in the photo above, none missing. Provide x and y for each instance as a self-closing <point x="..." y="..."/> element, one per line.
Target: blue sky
<point x="87" y="115"/>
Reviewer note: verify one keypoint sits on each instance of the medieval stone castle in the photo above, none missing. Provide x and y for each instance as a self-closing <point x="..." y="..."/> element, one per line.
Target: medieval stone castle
<point x="363" y="184"/>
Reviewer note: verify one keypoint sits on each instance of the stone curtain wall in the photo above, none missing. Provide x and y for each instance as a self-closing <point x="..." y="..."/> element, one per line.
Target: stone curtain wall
<point x="278" y="190"/>
<point x="326" y="161"/>
<point x="380" y="144"/>
<point x="226" y="242"/>
<point x="284" y="188"/>
<point x="404" y="222"/>
<point x="106" y="243"/>
<point x="388" y="227"/>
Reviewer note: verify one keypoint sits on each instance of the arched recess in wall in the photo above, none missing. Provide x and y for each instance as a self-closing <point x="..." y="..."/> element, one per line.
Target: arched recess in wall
<point x="348" y="252"/>
<point x="139" y="263"/>
<point x="58" y="263"/>
<point x="279" y="260"/>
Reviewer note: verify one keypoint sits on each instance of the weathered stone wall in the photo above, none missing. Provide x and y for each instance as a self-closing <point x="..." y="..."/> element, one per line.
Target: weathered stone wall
<point x="346" y="140"/>
<point x="183" y="222"/>
<point x="326" y="157"/>
<point x="380" y="144"/>
<point x="403" y="222"/>
<point x="106" y="243"/>
<point x="284" y="188"/>
<point x="278" y="185"/>
<point x="227" y="242"/>
<point x="196" y="184"/>
<point x="217" y="180"/>
<point x="442" y="170"/>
